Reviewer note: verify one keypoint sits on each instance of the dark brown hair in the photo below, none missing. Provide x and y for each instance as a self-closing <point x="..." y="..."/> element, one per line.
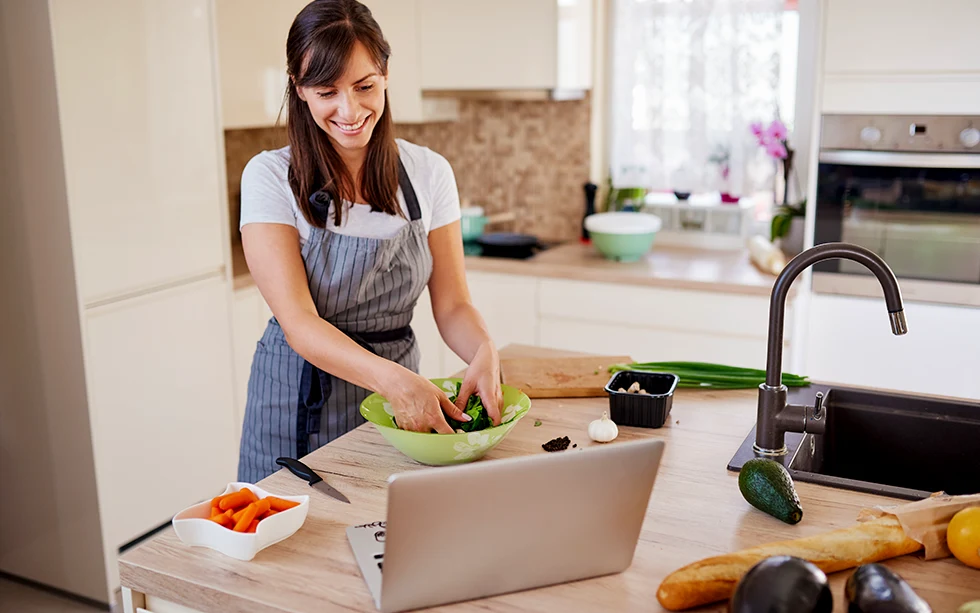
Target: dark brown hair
<point x="320" y="42"/>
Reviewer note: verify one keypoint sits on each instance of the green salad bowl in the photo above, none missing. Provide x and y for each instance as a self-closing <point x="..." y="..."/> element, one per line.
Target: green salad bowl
<point x="445" y="449"/>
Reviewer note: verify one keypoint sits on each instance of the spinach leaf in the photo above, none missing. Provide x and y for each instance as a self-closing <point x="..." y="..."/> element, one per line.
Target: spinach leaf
<point x="480" y="418"/>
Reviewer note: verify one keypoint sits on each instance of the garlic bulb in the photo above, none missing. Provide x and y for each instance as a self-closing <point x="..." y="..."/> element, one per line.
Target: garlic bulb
<point x="603" y="430"/>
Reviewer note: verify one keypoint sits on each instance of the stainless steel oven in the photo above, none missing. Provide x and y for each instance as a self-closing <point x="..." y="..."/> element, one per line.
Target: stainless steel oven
<point x="908" y="188"/>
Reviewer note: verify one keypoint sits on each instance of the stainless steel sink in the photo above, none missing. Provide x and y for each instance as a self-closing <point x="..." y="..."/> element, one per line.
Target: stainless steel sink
<point x="884" y="443"/>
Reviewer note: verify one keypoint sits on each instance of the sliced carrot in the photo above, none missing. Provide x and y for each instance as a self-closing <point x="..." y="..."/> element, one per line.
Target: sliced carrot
<point x="237" y="500"/>
<point x="216" y="511"/>
<point x="251" y="495"/>
<point x="246" y="519"/>
<point x="238" y="514"/>
<point x="253" y="526"/>
<point x="281" y="505"/>
<point x="217" y="499"/>
<point x="263" y="506"/>
<point x="269" y="513"/>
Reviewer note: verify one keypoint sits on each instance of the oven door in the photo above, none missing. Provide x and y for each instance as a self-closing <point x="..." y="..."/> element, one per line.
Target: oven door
<point x="919" y="212"/>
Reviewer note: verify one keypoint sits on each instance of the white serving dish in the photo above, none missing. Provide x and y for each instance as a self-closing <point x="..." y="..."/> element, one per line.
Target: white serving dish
<point x="194" y="528"/>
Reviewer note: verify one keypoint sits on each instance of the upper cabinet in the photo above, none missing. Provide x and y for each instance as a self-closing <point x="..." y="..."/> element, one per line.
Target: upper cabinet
<point x="437" y="47"/>
<point x="252" y="58"/>
<point x="901" y="57"/>
<point x="142" y="157"/>
<point x="902" y="36"/>
<point x="506" y="44"/>
<point x="501" y="44"/>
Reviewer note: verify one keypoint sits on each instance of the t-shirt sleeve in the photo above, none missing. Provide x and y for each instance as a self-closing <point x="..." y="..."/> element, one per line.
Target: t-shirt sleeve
<point x="266" y="196"/>
<point x="445" y="195"/>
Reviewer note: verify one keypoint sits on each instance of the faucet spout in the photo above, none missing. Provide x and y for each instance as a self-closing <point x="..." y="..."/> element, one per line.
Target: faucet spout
<point x="770" y="425"/>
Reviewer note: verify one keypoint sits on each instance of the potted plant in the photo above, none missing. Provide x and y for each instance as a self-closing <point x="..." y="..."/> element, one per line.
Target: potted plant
<point x="788" y="218"/>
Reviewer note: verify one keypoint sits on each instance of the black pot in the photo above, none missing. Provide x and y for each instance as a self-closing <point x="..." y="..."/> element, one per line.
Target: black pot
<point x="507" y="245"/>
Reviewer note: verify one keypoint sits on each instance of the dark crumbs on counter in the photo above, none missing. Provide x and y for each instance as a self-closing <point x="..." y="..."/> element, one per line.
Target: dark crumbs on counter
<point x="557" y="444"/>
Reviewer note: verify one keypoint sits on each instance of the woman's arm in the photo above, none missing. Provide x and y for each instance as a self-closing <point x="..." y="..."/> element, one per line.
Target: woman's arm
<point x="273" y="256"/>
<point x="459" y="323"/>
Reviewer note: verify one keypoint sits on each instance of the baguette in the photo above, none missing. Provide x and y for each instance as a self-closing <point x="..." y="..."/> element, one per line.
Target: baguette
<point x="714" y="579"/>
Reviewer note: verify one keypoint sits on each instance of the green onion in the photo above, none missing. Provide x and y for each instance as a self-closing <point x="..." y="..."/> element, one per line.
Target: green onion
<point x="705" y="375"/>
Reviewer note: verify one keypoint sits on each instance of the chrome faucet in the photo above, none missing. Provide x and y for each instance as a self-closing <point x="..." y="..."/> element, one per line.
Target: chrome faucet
<point x="775" y="417"/>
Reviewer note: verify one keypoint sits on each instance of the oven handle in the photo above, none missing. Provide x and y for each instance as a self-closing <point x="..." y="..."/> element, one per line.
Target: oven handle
<point x="901" y="160"/>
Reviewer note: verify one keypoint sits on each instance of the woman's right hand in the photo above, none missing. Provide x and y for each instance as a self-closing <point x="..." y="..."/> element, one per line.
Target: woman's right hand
<point x="419" y="404"/>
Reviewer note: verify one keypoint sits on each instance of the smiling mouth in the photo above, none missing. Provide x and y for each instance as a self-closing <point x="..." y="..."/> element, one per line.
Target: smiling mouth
<point x="352" y="127"/>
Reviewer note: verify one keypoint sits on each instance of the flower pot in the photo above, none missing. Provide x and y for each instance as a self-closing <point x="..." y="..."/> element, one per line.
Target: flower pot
<point x="792" y="243"/>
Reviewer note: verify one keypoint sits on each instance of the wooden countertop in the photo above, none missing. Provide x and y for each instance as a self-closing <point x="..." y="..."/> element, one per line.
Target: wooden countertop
<point x="695" y="511"/>
<point x="665" y="266"/>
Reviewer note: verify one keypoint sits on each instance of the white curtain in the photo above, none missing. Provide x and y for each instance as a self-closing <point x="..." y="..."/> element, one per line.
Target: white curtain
<point x="688" y="77"/>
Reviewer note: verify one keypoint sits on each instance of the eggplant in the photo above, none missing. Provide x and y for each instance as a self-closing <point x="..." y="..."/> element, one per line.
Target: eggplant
<point x="782" y="584"/>
<point x="874" y="588"/>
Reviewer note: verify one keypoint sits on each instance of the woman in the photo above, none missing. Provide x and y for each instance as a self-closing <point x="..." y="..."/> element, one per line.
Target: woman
<point x="342" y="231"/>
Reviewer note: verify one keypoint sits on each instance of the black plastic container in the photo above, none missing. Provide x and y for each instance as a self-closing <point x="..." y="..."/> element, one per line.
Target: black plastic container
<point x="648" y="410"/>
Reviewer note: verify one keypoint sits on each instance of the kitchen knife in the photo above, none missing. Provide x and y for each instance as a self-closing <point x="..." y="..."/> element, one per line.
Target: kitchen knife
<point x="307" y="474"/>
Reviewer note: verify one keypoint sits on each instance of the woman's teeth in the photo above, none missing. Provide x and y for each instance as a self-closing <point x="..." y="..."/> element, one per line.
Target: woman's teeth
<point x="350" y="127"/>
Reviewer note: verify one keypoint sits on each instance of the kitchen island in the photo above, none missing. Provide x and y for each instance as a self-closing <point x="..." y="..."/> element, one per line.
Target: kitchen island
<point x="695" y="511"/>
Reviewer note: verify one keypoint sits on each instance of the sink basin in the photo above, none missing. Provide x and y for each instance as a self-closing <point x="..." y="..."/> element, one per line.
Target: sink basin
<point x="892" y="444"/>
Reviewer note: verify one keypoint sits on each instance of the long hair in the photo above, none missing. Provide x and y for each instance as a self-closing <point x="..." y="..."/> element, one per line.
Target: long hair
<point x="320" y="42"/>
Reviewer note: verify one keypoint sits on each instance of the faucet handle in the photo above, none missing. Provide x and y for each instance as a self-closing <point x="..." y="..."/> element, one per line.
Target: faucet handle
<point x="818" y="406"/>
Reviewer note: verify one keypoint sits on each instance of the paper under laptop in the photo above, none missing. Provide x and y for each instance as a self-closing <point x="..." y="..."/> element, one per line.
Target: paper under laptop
<point x="368" y="543"/>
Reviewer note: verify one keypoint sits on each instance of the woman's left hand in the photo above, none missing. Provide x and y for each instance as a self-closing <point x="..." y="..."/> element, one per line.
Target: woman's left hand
<point x="483" y="378"/>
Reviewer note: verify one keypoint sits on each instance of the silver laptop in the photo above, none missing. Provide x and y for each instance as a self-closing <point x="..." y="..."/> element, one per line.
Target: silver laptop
<point x="475" y="530"/>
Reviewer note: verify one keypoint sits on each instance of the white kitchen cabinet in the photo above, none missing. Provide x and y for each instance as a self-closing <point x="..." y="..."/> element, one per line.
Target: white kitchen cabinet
<point x="657" y="324"/>
<point x="508" y="304"/>
<point x="488" y="44"/>
<point x="252" y="58"/>
<point x="160" y="385"/>
<point x="902" y="36"/>
<point x="900" y="57"/>
<point x="850" y="342"/>
<point x="140" y="139"/>
<point x="114" y="234"/>
<point x="427" y="335"/>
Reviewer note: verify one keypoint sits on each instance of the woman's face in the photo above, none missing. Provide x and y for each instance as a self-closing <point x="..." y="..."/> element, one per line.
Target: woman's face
<point x="349" y="109"/>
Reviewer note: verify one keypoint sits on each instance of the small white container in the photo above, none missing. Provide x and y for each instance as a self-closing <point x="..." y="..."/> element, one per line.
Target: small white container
<point x="194" y="527"/>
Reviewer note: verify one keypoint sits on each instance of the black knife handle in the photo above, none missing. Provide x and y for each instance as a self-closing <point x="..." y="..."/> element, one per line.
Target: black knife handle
<point x="300" y="470"/>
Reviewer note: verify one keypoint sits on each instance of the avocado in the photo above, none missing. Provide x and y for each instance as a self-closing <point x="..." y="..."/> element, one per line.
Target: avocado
<point x="782" y="584"/>
<point x="969" y="607"/>
<point x="767" y="486"/>
<point x="874" y="588"/>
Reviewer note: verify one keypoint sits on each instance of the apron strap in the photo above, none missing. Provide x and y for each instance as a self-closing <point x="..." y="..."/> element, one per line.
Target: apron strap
<point x="411" y="200"/>
<point x="321" y="200"/>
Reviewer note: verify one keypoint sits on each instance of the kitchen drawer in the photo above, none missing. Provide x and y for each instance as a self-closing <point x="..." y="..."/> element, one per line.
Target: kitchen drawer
<point x="675" y="310"/>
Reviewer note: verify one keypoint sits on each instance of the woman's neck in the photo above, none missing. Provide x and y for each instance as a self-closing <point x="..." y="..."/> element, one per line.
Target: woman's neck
<point x="354" y="161"/>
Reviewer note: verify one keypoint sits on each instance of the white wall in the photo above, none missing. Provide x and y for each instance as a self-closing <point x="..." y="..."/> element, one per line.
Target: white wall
<point x="50" y="514"/>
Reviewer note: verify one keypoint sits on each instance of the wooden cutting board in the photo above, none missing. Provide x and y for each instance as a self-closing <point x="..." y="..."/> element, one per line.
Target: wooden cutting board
<point x="577" y="377"/>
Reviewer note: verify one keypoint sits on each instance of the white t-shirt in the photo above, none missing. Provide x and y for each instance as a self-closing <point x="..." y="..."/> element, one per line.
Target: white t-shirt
<point x="267" y="197"/>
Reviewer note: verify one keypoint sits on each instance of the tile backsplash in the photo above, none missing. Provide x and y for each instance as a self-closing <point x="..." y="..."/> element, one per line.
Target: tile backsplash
<point x="529" y="157"/>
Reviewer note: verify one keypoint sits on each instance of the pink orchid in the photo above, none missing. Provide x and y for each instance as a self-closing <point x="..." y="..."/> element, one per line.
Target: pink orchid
<point x="776" y="149"/>
<point x="777" y="131"/>
<point x="756" y="127"/>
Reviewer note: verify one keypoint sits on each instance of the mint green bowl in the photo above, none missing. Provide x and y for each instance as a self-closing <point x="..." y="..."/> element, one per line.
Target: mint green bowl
<point x="620" y="236"/>
<point x="445" y="449"/>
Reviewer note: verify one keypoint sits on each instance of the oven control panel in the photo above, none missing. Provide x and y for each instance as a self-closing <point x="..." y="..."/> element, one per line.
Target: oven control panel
<point x="936" y="134"/>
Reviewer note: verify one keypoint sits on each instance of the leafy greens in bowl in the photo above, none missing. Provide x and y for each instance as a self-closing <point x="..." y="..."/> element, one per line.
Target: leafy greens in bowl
<point x="462" y="446"/>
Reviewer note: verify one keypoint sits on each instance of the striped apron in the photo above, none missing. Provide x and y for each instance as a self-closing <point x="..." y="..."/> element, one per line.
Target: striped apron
<point x="367" y="288"/>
